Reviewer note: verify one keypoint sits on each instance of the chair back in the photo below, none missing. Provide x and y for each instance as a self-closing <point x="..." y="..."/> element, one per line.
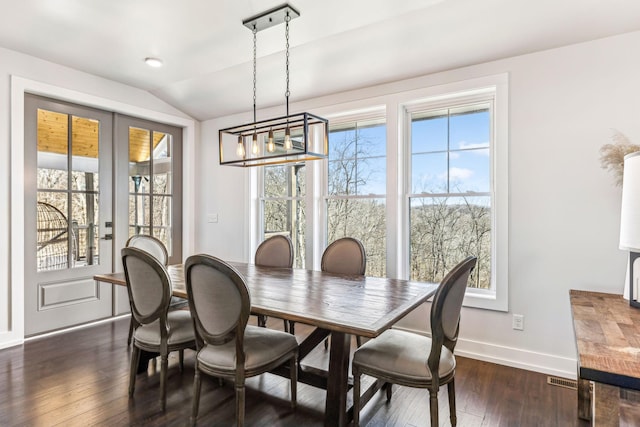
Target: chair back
<point x="345" y="256"/>
<point x="148" y="285"/>
<point x="446" y="307"/>
<point x="276" y="251"/>
<point x="219" y="301"/>
<point x="151" y="245"/>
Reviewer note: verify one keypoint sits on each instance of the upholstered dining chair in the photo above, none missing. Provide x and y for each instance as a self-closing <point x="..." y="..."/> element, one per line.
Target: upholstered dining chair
<point x="344" y="256"/>
<point x="157" y="330"/>
<point x="228" y="348"/>
<point x="158" y="250"/>
<point x="409" y="359"/>
<point x="151" y="245"/>
<point x="277" y="252"/>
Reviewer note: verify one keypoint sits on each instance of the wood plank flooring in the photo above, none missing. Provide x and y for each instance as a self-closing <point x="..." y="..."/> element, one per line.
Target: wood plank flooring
<point x="80" y="378"/>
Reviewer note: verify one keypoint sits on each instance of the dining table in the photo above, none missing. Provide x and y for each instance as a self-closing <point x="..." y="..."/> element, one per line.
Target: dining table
<point x="335" y="305"/>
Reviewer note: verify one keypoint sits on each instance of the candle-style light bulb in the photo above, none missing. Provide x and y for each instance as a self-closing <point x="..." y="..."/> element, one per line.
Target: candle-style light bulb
<point x="271" y="146"/>
<point x="240" y="148"/>
<point x="287" y="139"/>
<point x="254" y="144"/>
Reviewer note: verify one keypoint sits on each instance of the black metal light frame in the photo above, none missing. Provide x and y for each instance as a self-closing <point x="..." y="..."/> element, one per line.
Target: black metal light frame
<point x="292" y="138"/>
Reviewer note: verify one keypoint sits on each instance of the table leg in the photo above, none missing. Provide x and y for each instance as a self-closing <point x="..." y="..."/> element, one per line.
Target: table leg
<point x="584" y="399"/>
<point x="338" y="381"/>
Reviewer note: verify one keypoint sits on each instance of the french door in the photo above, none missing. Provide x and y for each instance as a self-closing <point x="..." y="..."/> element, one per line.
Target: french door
<point x="68" y="214"/>
<point x="93" y="179"/>
<point x="148" y="200"/>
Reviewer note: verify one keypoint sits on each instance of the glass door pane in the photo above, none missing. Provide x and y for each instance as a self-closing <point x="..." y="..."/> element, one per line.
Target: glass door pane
<point x="67" y="203"/>
<point x="152" y="183"/>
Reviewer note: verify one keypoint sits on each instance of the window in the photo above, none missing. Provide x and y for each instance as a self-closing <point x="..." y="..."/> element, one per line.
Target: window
<point x="153" y="154"/>
<point x="356" y="188"/>
<point x="450" y="200"/>
<point x="67" y="191"/>
<point x="283" y="206"/>
<point x="150" y="186"/>
<point x="421" y="181"/>
<point x="456" y="187"/>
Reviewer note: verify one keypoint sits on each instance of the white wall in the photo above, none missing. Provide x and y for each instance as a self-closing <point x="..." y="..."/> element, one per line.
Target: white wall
<point x="564" y="209"/>
<point x="20" y="73"/>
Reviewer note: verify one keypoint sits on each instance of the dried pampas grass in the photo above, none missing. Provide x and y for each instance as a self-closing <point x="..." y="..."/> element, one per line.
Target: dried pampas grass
<point x="612" y="155"/>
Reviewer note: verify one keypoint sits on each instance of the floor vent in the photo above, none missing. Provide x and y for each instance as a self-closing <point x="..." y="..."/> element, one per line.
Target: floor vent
<point x="563" y="382"/>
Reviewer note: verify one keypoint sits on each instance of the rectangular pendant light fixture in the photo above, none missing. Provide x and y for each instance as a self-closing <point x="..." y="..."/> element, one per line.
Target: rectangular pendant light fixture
<point x="292" y="138"/>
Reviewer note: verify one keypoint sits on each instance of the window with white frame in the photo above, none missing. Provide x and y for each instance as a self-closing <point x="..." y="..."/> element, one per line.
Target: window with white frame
<point x="451" y="195"/>
<point x="445" y="166"/>
<point x="283" y="206"/>
<point x="356" y="187"/>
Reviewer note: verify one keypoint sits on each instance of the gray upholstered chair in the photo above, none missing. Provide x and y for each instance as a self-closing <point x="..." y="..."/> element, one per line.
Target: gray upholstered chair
<point x="157" y="330"/>
<point x="157" y="249"/>
<point x="344" y="256"/>
<point x="227" y="347"/>
<point x="151" y="245"/>
<point x="409" y="359"/>
<point x="277" y="252"/>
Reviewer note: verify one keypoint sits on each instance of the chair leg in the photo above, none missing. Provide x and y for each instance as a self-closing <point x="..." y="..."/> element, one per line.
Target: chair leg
<point x="356" y="397"/>
<point x="433" y="406"/>
<point x="292" y="327"/>
<point x="286" y="325"/>
<point x="163" y="381"/>
<point x="130" y="332"/>
<point x="135" y="359"/>
<point x="196" y="395"/>
<point x="294" y="381"/>
<point x="389" y="389"/>
<point x="451" y="390"/>
<point x="262" y="320"/>
<point x="240" y="404"/>
<point x="326" y="343"/>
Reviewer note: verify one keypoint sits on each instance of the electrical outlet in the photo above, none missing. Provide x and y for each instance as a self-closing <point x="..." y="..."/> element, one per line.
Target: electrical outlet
<point x="212" y="218"/>
<point x="518" y="322"/>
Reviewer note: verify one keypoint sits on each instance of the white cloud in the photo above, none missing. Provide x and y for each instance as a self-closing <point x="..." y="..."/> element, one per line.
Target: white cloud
<point x="460" y="173"/>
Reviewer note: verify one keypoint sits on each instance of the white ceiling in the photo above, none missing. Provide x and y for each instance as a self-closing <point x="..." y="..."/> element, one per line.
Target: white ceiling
<point x="336" y="45"/>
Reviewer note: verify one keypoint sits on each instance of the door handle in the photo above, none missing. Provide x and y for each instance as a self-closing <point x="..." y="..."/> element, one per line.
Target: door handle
<point x="108" y="237"/>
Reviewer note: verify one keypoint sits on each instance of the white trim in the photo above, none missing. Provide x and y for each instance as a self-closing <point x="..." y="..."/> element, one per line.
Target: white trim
<point x="514" y="357"/>
<point x="20" y="86"/>
<point x="495" y="90"/>
<point x="77" y="327"/>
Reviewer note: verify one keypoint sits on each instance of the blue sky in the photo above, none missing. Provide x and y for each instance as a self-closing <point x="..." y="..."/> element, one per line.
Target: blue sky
<point x="466" y="135"/>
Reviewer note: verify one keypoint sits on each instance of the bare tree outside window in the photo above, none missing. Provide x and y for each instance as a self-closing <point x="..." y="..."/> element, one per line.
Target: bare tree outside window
<point x="450" y="204"/>
<point x="283" y="206"/>
<point x="356" y="203"/>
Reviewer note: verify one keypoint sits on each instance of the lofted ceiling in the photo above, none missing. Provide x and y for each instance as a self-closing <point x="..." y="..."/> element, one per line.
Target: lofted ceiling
<point x="336" y="45"/>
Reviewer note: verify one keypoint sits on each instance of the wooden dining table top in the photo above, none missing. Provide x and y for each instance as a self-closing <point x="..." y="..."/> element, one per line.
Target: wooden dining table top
<point x="358" y="305"/>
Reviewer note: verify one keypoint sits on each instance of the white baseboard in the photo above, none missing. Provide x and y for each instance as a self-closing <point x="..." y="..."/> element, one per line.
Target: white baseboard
<point x="75" y="328"/>
<point x="515" y="357"/>
<point x="10" y="343"/>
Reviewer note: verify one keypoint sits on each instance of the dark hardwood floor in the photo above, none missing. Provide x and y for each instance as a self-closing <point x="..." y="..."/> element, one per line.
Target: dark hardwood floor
<point x="80" y="378"/>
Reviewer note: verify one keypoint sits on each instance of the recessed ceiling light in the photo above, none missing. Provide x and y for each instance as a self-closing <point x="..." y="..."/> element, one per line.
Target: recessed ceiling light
<point x="153" y="62"/>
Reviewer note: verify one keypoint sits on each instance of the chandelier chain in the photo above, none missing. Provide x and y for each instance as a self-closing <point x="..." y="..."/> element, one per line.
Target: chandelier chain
<point x="286" y="35"/>
<point x="255" y="42"/>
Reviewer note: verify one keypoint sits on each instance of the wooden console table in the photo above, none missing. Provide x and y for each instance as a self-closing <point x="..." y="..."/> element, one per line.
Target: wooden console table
<point x="607" y="332"/>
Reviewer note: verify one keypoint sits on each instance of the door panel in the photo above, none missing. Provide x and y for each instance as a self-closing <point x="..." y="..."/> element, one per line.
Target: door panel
<point x="68" y="167"/>
<point x="149" y="175"/>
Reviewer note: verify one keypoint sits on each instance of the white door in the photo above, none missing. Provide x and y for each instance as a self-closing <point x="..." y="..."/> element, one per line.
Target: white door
<point x="68" y="214"/>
